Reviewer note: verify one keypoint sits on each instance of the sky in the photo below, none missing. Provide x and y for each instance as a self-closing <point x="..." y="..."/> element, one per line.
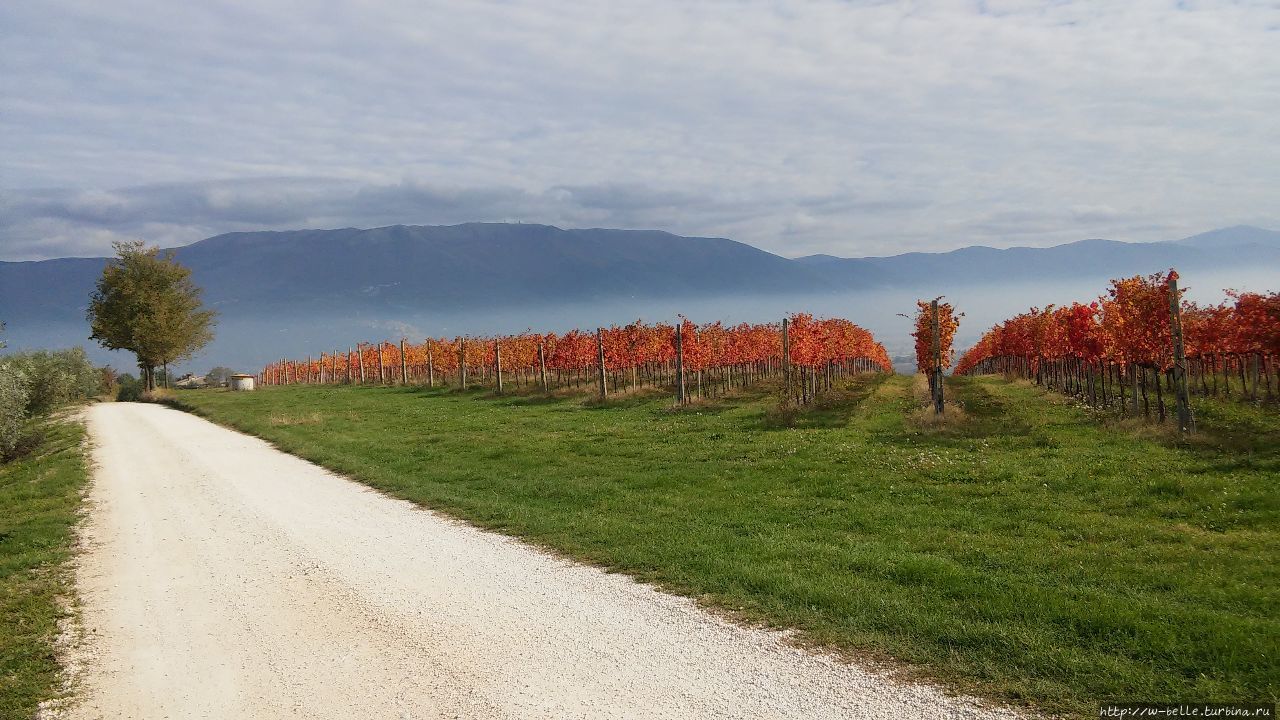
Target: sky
<point x="848" y="128"/>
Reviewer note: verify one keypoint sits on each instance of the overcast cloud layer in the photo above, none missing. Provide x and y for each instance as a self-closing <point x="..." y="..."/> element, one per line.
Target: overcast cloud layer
<point x="849" y="128"/>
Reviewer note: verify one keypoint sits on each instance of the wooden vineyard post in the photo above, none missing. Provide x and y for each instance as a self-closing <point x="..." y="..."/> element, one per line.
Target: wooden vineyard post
<point x="333" y="376"/>
<point x="542" y="366"/>
<point x="1186" y="423"/>
<point x="497" y="363"/>
<point x="462" y="363"/>
<point x="936" y="373"/>
<point x="382" y="366"/>
<point x="602" y="385"/>
<point x="321" y="368"/>
<point x="681" y="395"/>
<point x="306" y="378"/>
<point x="360" y="356"/>
<point x="404" y="376"/>
<point x="786" y="356"/>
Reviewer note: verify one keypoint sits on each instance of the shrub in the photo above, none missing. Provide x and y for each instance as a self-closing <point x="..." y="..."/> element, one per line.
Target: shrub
<point x="55" y="377"/>
<point x="130" y="388"/>
<point x="14" y="390"/>
<point x="34" y="383"/>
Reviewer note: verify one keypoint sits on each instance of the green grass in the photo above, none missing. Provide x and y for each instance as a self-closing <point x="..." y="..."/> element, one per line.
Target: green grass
<point x="1027" y="552"/>
<point x="39" y="499"/>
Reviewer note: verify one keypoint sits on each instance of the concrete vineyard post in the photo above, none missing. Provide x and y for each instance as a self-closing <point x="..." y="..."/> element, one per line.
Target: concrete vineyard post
<point x="462" y="363"/>
<point x="681" y="396"/>
<point x="786" y="355"/>
<point x="602" y="385"/>
<point x="542" y="366"/>
<point x="936" y="373"/>
<point x="497" y="363"/>
<point x="1186" y="423"/>
<point x="1133" y="382"/>
<point x="404" y="375"/>
<point x="360" y="356"/>
<point x="382" y="367"/>
<point x="431" y="366"/>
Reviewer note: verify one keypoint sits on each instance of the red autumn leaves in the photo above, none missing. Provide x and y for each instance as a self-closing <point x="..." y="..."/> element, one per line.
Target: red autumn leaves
<point x="948" y="322"/>
<point x="1131" y="324"/>
<point x="814" y="343"/>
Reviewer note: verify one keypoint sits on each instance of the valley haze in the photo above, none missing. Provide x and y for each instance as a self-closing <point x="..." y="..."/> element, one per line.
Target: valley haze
<point x="290" y="293"/>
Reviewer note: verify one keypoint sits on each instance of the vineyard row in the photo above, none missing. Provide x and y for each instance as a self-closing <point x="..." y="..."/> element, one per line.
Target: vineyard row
<point x="808" y="355"/>
<point x="1138" y="345"/>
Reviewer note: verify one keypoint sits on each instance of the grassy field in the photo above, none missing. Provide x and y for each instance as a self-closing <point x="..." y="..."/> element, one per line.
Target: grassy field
<point x="1027" y="551"/>
<point x="39" y="499"/>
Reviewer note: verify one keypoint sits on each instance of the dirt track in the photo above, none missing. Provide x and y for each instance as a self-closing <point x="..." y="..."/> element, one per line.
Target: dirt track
<point x="225" y="579"/>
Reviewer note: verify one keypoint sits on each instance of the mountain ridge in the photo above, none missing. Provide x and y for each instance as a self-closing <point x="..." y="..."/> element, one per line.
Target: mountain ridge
<point x="268" y="286"/>
<point x="1081" y="258"/>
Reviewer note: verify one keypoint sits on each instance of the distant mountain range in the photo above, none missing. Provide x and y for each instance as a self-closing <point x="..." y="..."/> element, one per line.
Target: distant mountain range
<point x="393" y="271"/>
<point x="459" y="266"/>
<point x="1240" y="246"/>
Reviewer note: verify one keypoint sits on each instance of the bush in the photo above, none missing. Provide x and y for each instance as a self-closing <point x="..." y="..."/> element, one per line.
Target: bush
<point x="34" y="383"/>
<point x="14" y="390"/>
<point x="129" y="388"/>
<point x="55" y="377"/>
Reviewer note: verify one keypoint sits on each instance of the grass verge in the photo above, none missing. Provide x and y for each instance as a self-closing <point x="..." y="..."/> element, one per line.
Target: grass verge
<point x="40" y="496"/>
<point x="1030" y="553"/>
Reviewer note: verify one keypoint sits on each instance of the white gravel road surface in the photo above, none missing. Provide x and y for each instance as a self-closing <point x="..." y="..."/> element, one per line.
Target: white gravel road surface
<point x="222" y="578"/>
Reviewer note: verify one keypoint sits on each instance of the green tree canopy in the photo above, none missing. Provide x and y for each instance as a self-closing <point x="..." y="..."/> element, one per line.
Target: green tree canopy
<point x="147" y="304"/>
<point x="219" y="375"/>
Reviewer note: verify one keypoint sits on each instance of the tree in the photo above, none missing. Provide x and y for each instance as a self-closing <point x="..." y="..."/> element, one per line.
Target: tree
<point x="219" y="375"/>
<point x="147" y="304"/>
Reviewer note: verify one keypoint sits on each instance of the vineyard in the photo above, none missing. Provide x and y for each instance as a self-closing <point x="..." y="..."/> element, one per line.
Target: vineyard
<point x="1138" y="344"/>
<point x="1140" y="349"/>
<point x="807" y="355"/>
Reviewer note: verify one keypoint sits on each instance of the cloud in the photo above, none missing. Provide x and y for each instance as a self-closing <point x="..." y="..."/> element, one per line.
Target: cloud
<point x="54" y="223"/>
<point x="843" y="127"/>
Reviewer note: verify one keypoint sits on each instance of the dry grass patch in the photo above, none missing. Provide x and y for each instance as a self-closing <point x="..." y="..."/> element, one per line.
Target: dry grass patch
<point x="159" y="395"/>
<point x="278" y="420"/>
<point x="924" y="417"/>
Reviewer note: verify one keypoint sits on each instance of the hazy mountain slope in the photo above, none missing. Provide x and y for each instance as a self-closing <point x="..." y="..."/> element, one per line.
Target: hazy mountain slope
<point x="428" y="267"/>
<point x="47" y="288"/>
<point x="480" y="263"/>
<point x="1084" y="258"/>
<point x="1233" y="237"/>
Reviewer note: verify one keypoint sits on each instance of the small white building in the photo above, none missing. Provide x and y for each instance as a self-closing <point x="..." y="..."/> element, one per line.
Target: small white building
<point x="240" y="382"/>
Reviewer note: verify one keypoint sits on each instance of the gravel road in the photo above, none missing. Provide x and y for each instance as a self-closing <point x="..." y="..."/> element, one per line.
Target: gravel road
<point x="222" y="578"/>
